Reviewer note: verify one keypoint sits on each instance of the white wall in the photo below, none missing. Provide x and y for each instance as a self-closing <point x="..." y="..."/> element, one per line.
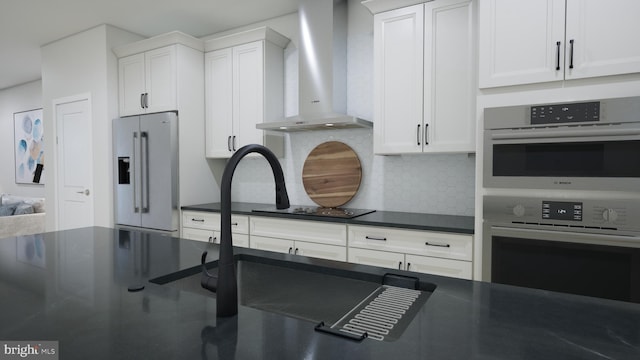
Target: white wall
<point x="79" y="64"/>
<point x="427" y="183"/>
<point x="17" y="99"/>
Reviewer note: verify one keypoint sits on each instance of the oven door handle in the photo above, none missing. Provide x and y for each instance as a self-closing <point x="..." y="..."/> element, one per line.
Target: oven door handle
<point x="557" y="133"/>
<point x="566" y="236"/>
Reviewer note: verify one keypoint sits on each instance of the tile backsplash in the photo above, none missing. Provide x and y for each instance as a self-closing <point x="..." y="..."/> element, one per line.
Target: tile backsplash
<point x="425" y="183"/>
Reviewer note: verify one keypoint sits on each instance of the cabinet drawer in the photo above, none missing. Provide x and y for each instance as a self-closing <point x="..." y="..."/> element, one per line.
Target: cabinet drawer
<point x="311" y="231"/>
<point x="438" y="266"/>
<point x="376" y="258"/>
<point x="211" y="221"/>
<point x="201" y="220"/>
<point x="426" y="243"/>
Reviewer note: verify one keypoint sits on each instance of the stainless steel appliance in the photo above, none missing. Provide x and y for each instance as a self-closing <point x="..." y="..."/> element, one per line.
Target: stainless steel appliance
<point x="593" y="145"/>
<point x="146" y="171"/>
<point x="587" y="246"/>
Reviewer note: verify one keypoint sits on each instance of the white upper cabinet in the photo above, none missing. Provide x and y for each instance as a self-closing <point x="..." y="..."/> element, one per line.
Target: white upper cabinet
<point x="148" y="81"/>
<point x="398" y="80"/>
<point x="424" y="85"/>
<point x="526" y="42"/>
<point x="244" y="82"/>
<point x="604" y="36"/>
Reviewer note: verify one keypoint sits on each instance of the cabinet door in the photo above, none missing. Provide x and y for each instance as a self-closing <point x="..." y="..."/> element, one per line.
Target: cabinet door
<point x="331" y="252"/>
<point x="161" y="79"/>
<point x="248" y="94"/>
<point x="131" y="84"/>
<point x="398" y="80"/>
<point x="437" y="266"/>
<point x="218" y="103"/>
<point x="377" y="258"/>
<point x="604" y="35"/>
<point x="272" y="244"/>
<point x="519" y="42"/>
<point x="200" y="235"/>
<point x="449" y="77"/>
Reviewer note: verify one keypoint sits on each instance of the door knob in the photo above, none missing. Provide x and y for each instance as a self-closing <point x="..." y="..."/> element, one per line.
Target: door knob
<point x="86" y="192"/>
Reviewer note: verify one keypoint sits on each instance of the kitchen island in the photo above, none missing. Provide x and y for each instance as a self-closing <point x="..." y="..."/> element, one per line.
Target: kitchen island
<point x="75" y="286"/>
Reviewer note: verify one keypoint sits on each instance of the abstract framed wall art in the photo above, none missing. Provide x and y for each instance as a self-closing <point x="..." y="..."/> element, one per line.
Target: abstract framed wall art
<point x="29" y="146"/>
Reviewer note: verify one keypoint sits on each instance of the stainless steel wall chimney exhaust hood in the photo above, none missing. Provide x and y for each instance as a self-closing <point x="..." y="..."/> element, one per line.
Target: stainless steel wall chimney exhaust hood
<point x="322" y="70"/>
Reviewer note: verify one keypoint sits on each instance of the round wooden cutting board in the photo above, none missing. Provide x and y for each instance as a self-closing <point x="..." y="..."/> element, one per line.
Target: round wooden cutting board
<point x="331" y="174"/>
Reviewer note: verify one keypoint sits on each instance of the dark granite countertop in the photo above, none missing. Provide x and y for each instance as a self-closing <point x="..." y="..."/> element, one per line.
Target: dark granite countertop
<point x="405" y="220"/>
<point x="71" y="286"/>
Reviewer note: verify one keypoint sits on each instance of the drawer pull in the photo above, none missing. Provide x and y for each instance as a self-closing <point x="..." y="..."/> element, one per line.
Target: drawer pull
<point x="400" y="265"/>
<point x="408" y="266"/>
<point x="290" y="249"/>
<point x="234" y="224"/>
<point x="375" y="238"/>
<point x="197" y="220"/>
<point x="296" y="251"/>
<point x="436" y="244"/>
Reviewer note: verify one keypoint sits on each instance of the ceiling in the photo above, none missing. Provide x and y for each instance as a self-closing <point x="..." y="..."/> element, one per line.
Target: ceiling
<point x="26" y="25"/>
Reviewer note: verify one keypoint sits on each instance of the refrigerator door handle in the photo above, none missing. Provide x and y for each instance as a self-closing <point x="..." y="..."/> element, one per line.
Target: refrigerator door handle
<point x="136" y="209"/>
<point x="144" y="152"/>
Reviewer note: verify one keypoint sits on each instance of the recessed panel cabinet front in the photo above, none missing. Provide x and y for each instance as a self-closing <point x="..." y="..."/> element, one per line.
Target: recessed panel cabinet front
<point x="524" y="42"/>
<point x="148" y="82"/>
<point x="244" y="86"/>
<point x="430" y="252"/>
<point x="424" y="78"/>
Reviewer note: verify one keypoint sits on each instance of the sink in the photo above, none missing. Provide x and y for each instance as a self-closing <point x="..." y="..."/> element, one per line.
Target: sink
<point x="311" y="292"/>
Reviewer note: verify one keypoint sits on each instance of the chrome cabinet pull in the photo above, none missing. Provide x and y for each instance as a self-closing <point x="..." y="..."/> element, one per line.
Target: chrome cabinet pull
<point x="375" y="238"/>
<point x="418" y="135"/>
<point x="229" y="142"/>
<point x="437" y="244"/>
<point x="233" y="143"/>
<point x="571" y="55"/>
<point x="557" y="55"/>
<point x="142" y="100"/>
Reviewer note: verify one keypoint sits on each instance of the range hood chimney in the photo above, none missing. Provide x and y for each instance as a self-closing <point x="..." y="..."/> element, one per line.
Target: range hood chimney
<point x="322" y="70"/>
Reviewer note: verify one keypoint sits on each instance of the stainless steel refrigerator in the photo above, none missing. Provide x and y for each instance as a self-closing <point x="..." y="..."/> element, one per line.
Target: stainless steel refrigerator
<point x="146" y="171"/>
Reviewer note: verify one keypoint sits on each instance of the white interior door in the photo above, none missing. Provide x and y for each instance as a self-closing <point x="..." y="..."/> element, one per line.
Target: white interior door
<point x="74" y="160"/>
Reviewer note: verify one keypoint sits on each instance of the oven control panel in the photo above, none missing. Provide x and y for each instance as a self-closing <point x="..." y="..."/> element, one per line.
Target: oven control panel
<point x="604" y="214"/>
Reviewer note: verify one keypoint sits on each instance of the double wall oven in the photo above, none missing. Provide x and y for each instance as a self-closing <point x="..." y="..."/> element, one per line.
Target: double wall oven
<point x="562" y="203"/>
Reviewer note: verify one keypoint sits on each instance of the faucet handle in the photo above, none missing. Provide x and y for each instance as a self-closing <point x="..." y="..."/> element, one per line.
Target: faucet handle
<point x="207" y="281"/>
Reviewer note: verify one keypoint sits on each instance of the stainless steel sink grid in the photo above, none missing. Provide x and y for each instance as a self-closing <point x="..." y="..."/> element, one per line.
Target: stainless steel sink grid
<point x="380" y="313"/>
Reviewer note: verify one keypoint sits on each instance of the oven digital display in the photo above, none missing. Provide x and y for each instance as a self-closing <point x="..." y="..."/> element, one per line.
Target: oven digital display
<point x="562" y="210"/>
<point x="565" y="113"/>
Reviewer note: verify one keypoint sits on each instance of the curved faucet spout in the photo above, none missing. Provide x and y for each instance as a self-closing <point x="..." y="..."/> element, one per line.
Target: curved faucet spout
<point x="227" y="289"/>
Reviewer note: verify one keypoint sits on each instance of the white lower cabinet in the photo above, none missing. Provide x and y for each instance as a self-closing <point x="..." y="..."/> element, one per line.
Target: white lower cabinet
<point x="421" y="251"/>
<point x="205" y="226"/>
<point x="307" y="238"/>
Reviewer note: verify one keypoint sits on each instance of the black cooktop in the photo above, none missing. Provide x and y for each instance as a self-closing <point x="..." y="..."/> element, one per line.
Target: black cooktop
<point x="339" y="212"/>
